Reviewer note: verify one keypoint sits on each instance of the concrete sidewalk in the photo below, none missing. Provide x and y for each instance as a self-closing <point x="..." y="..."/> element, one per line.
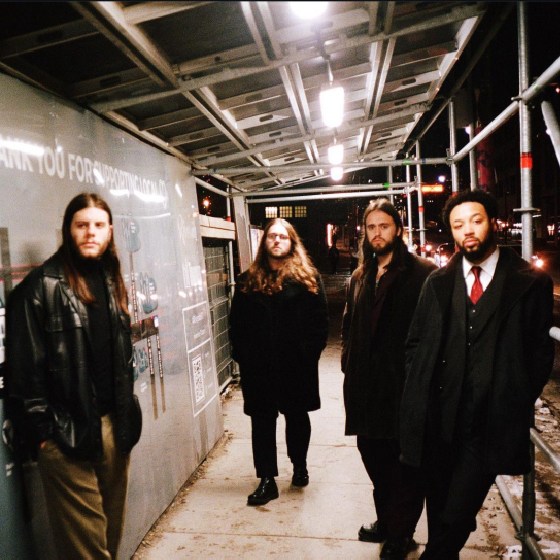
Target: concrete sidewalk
<point x="210" y="519"/>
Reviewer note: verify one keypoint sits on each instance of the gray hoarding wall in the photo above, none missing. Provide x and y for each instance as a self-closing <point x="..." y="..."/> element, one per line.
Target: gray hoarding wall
<point x="49" y="152"/>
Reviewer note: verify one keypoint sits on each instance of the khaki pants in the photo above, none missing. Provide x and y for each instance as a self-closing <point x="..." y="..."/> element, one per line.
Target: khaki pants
<point x="86" y="500"/>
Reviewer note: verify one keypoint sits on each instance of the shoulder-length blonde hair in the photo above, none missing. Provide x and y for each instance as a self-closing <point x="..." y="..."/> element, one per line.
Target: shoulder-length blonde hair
<point x="297" y="266"/>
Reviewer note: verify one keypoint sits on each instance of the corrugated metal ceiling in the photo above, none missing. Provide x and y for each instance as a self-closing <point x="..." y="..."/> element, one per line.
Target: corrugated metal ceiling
<point x="236" y="84"/>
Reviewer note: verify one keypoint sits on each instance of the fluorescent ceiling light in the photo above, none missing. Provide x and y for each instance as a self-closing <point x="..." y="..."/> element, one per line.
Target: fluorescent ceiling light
<point x="336" y="173"/>
<point x="336" y="154"/>
<point x="308" y="10"/>
<point x="332" y="106"/>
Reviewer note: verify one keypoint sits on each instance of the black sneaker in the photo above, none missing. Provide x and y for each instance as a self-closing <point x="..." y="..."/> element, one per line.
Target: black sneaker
<point x="266" y="491"/>
<point x="373" y="532"/>
<point x="301" y="476"/>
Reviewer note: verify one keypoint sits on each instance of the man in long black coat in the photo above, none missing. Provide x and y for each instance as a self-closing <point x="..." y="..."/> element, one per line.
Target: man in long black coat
<point x="381" y="298"/>
<point x="278" y="328"/>
<point x="478" y="356"/>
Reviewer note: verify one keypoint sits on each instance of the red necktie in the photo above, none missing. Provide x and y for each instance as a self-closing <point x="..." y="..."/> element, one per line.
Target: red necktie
<point x="476" y="290"/>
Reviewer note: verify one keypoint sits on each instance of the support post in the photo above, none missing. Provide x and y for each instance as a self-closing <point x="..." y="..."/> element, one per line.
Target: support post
<point x="230" y="247"/>
<point x="390" y="181"/>
<point x="552" y="126"/>
<point x="526" y="156"/>
<point x="472" y="161"/>
<point x="452" y="147"/>
<point x="526" y="163"/>
<point x="409" y="211"/>
<point x="421" y="218"/>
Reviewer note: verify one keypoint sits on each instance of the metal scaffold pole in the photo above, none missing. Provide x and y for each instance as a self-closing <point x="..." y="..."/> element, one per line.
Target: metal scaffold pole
<point x="231" y="275"/>
<point x="552" y="126"/>
<point x="526" y="164"/>
<point x="421" y="219"/>
<point x="526" y="156"/>
<point x="390" y="181"/>
<point x="409" y="211"/>
<point x="452" y="147"/>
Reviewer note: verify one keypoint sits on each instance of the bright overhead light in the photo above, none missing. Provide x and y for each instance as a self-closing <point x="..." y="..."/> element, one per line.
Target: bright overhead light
<point x="336" y="173"/>
<point x="332" y="106"/>
<point x="336" y="154"/>
<point x="308" y="10"/>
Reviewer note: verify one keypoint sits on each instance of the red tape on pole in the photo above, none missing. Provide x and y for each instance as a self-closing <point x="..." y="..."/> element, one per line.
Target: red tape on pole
<point x="526" y="160"/>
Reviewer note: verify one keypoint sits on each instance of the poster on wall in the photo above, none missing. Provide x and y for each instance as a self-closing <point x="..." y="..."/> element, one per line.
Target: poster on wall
<point x="51" y="151"/>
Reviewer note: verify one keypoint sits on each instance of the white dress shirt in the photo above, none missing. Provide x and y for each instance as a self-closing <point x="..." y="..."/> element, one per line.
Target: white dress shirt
<point x="486" y="274"/>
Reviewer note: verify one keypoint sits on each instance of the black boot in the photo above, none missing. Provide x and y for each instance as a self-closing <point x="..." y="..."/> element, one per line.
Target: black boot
<point x="301" y="476"/>
<point x="374" y="532"/>
<point x="266" y="491"/>
<point x="397" y="549"/>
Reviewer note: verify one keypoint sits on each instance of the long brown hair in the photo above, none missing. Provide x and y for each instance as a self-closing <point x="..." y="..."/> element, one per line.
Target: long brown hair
<point x="297" y="266"/>
<point x="399" y="251"/>
<point x="109" y="259"/>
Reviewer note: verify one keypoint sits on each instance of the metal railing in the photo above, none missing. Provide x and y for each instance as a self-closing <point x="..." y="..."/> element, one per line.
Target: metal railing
<point x="524" y="519"/>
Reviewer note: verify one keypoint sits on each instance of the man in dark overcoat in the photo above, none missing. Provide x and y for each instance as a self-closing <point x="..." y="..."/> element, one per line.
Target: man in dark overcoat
<point x="478" y="356"/>
<point x="381" y="298"/>
<point x="278" y="328"/>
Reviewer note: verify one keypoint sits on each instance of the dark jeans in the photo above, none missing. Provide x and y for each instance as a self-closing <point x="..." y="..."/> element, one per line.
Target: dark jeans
<point x="298" y="434"/>
<point x="397" y="488"/>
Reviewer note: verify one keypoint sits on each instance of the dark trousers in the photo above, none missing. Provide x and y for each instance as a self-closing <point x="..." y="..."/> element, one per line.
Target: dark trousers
<point x="397" y="488"/>
<point x="298" y="434"/>
<point x="456" y="486"/>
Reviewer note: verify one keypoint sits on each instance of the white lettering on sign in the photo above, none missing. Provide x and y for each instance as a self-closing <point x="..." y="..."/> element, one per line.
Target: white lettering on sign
<point x="21" y="155"/>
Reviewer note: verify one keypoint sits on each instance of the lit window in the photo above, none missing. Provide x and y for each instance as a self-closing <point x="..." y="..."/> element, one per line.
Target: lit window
<point x="300" y="211"/>
<point x="271" y="212"/>
<point x="285" y="211"/>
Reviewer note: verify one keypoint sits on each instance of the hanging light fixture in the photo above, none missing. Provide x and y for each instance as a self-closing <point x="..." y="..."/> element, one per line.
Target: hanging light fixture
<point x="336" y="153"/>
<point x="336" y="173"/>
<point x="309" y="10"/>
<point x="331" y="100"/>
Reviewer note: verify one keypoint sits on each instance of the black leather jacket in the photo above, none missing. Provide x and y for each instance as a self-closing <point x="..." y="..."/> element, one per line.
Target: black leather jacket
<point x="50" y="388"/>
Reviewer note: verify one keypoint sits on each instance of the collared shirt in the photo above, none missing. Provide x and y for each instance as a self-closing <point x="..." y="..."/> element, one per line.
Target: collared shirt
<point x="486" y="274"/>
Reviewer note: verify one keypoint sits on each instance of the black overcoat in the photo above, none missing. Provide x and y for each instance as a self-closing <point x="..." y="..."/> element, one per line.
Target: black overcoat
<point x="523" y="359"/>
<point x="374" y="367"/>
<point x="277" y="341"/>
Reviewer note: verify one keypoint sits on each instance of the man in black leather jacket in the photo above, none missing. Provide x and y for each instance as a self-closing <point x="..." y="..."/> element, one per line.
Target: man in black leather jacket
<point x="70" y="381"/>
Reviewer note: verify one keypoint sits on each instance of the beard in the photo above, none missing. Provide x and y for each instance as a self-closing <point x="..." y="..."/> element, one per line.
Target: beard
<point x="278" y="256"/>
<point x="385" y="250"/>
<point x="478" y="254"/>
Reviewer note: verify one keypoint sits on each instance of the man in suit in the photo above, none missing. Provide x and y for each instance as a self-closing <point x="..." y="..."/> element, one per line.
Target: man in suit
<point x="478" y="356"/>
<point x="380" y="302"/>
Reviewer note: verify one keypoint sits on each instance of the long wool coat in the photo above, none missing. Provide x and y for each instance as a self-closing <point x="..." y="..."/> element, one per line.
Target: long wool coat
<point x="523" y="359"/>
<point x="374" y="364"/>
<point x="277" y="341"/>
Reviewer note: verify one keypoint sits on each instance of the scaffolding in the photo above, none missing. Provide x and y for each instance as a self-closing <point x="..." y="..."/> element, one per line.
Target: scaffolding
<point x="524" y="519"/>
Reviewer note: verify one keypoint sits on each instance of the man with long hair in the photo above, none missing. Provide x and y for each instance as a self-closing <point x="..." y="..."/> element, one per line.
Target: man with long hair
<point x="478" y="356"/>
<point x="381" y="297"/>
<point x="70" y="381"/>
<point x="279" y="326"/>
